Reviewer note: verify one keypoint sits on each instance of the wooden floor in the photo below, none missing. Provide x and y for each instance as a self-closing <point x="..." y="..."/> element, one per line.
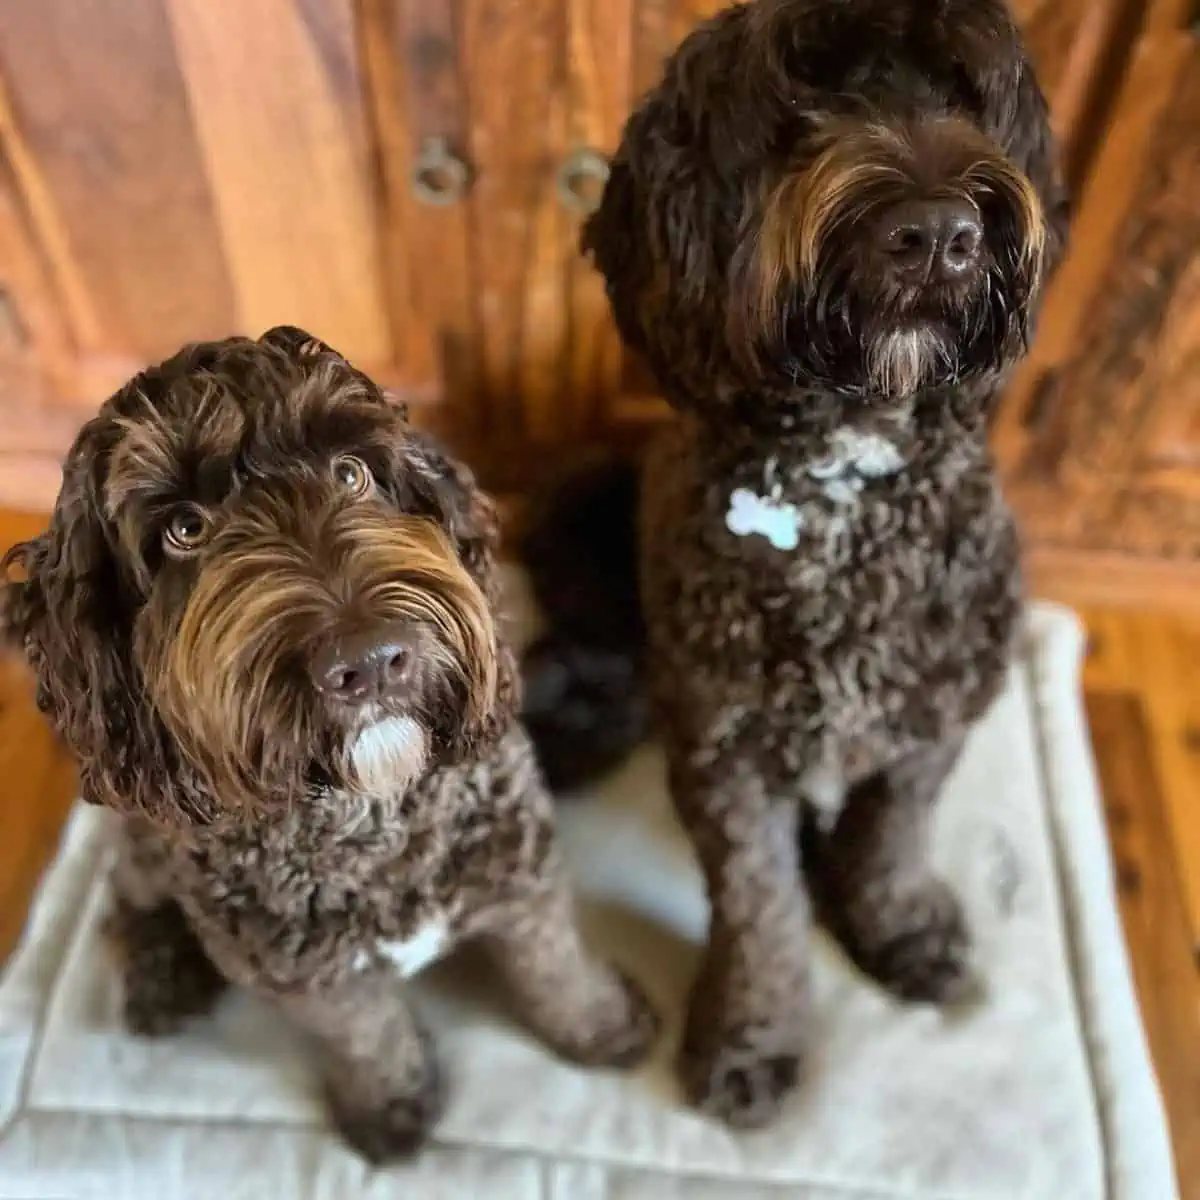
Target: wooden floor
<point x="1144" y="707"/>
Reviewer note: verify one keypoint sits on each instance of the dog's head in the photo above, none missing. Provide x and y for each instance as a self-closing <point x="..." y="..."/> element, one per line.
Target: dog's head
<point x="851" y="196"/>
<point x="259" y="579"/>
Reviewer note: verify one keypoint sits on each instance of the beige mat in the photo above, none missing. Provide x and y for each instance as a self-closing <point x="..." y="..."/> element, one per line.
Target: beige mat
<point x="1045" y="1093"/>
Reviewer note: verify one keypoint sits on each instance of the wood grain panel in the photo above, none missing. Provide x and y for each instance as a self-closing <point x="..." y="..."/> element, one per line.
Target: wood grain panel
<point x="659" y="26"/>
<point x="418" y="94"/>
<point x="515" y="58"/>
<point x="1097" y="436"/>
<point x="37" y="352"/>
<point x="36" y="258"/>
<point x="600" y="59"/>
<point x="35" y="345"/>
<point x="276" y="96"/>
<point x="99" y="103"/>
<point x="1080" y="48"/>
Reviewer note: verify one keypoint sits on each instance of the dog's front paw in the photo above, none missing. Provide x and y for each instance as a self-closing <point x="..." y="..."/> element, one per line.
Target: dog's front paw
<point x="391" y="1126"/>
<point x="918" y="946"/>
<point x="744" y="1087"/>
<point x="618" y="1029"/>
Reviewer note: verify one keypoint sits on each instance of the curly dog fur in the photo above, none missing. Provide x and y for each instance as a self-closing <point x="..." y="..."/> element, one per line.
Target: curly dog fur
<point x="828" y="584"/>
<point x="230" y="527"/>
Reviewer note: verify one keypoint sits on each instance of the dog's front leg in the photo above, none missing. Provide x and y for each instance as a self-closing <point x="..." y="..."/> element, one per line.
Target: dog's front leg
<point x="875" y="887"/>
<point x="580" y="1006"/>
<point x="749" y="1010"/>
<point x="382" y="1080"/>
<point x="168" y="978"/>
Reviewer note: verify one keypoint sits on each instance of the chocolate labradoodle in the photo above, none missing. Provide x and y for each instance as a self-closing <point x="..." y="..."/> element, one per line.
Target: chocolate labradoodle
<point x="826" y="230"/>
<point x="263" y="619"/>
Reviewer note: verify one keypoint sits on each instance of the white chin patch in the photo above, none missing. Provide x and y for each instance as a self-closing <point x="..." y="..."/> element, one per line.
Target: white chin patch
<point x="389" y="755"/>
<point x="899" y="362"/>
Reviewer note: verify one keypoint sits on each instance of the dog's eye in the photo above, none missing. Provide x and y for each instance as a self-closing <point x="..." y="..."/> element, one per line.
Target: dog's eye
<point x="187" y="530"/>
<point x="353" y="474"/>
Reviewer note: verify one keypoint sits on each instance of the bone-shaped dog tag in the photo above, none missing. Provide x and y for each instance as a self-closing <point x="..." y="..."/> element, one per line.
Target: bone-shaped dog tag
<point x="777" y="521"/>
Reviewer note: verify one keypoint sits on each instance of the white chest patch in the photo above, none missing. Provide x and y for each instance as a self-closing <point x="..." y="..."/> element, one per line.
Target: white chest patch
<point x="852" y="453"/>
<point x="419" y="951"/>
<point x="776" y="520"/>
<point x="854" y="458"/>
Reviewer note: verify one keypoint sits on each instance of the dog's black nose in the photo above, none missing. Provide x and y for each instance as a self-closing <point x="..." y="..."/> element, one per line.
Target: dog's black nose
<point x="365" y="668"/>
<point x="936" y="240"/>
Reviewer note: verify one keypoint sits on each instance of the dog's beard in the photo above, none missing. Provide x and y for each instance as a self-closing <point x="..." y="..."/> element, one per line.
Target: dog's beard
<point x="388" y="755"/>
<point x="229" y="673"/>
<point x="902" y="360"/>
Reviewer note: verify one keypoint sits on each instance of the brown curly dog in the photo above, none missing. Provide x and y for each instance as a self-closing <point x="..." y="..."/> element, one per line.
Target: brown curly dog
<point x="262" y="618"/>
<point x="827" y="231"/>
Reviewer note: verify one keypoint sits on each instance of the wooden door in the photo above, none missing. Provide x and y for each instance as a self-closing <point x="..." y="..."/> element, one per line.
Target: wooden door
<point x="406" y="178"/>
<point x="172" y="170"/>
<point x="1100" y="438"/>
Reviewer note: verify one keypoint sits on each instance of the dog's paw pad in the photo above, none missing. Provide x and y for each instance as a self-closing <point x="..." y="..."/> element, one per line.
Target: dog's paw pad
<point x="740" y="1087"/>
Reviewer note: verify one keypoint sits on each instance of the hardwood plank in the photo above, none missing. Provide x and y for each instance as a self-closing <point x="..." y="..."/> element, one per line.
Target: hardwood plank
<point x="276" y="96"/>
<point x="39" y="782"/>
<point x="1156" y="657"/>
<point x="39" y="785"/>
<point x="102" y="118"/>
<point x="1153" y="915"/>
<point x="1168" y="653"/>
<point x="1111" y="663"/>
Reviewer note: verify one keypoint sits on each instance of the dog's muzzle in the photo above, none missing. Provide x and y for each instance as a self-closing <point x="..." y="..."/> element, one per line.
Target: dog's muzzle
<point x="353" y="642"/>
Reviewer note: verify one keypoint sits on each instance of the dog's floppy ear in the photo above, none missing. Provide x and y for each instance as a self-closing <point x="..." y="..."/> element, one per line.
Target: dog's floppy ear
<point x="990" y="50"/>
<point x="447" y="489"/>
<point x="447" y="486"/>
<point x="1034" y="148"/>
<point x="656" y="235"/>
<point x="67" y="607"/>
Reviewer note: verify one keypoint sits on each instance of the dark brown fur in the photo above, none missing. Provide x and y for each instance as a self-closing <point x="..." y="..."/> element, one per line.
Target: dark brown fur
<point x="812" y="697"/>
<point x="226" y="516"/>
